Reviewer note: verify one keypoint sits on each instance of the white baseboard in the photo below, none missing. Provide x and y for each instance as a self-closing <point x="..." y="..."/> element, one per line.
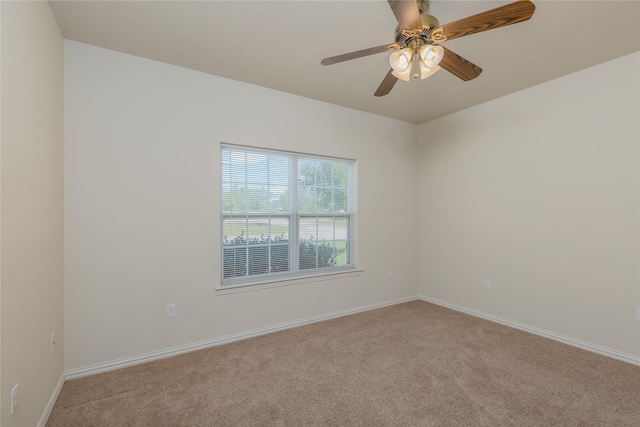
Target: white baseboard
<point x="52" y="401"/>
<point x="161" y="354"/>
<point x="614" y="354"/>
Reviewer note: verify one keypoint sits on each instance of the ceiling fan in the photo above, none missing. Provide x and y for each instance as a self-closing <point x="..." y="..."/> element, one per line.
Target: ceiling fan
<point x="418" y="37"/>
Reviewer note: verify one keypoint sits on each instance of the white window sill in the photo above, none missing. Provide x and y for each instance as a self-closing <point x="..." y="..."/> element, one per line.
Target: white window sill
<point x="291" y="280"/>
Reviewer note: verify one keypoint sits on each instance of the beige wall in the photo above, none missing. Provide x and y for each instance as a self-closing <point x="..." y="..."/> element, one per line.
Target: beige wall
<point x="142" y="218"/>
<point x="539" y="192"/>
<point x="31" y="208"/>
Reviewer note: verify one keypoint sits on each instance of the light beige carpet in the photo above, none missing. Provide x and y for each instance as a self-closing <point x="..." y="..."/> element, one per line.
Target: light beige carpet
<point x="412" y="364"/>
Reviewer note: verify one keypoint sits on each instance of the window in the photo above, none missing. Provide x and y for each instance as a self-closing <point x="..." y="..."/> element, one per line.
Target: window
<point x="283" y="214"/>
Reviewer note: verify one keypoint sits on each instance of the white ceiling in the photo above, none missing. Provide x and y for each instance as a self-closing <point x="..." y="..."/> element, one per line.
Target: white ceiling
<point x="279" y="45"/>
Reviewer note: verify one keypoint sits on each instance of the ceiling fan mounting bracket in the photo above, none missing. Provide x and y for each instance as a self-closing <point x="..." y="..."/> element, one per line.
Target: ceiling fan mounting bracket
<point x="423" y="6"/>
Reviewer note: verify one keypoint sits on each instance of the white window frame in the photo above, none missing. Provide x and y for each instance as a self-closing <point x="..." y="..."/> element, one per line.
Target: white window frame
<point x="294" y="275"/>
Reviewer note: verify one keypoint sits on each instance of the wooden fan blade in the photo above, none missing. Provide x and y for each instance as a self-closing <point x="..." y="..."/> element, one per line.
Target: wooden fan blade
<point x="458" y="66"/>
<point x="387" y="84"/>
<point x="359" y="54"/>
<point x="511" y="13"/>
<point x="407" y="14"/>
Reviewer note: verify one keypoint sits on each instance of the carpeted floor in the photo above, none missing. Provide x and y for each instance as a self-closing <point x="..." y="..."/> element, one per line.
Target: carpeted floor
<point x="412" y="364"/>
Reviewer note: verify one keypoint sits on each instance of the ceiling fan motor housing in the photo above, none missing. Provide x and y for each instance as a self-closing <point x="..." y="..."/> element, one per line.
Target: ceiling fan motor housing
<point x="417" y="37"/>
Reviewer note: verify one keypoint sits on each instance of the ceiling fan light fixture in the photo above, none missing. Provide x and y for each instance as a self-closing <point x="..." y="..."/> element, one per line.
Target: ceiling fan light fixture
<point x="426" y="72"/>
<point x="431" y="55"/>
<point x="400" y="60"/>
<point x="405" y="75"/>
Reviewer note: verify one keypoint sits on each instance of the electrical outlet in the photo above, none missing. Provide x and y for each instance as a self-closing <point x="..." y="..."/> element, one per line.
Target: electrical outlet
<point x="171" y="310"/>
<point x="14" y="398"/>
<point x="53" y="342"/>
<point x="638" y="314"/>
<point x="487" y="284"/>
<point x="390" y="274"/>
